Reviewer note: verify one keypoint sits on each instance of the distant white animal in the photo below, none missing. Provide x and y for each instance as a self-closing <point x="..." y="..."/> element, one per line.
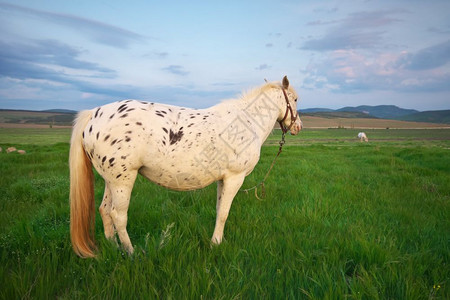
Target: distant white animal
<point x="363" y="137"/>
<point x="176" y="147"/>
<point x="1" y="149"/>
<point x="11" y="149"/>
<point x="21" y="151"/>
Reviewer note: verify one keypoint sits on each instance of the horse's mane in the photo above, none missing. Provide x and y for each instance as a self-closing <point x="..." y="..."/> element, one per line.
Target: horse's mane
<point x="250" y="94"/>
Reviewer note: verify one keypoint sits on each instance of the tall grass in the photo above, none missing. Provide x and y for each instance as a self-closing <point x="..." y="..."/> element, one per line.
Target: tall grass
<point x="364" y="221"/>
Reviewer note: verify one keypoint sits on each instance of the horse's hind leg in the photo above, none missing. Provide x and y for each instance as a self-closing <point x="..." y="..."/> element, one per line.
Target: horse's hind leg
<point x="105" y="212"/>
<point x="121" y="192"/>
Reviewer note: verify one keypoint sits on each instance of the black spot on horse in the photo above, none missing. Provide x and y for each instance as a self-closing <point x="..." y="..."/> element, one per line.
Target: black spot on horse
<point x="98" y="133"/>
<point x="90" y="129"/>
<point x="122" y="108"/>
<point x="175" y="137"/>
<point x="139" y="123"/>
<point x="123" y="116"/>
<point x="165" y="130"/>
<point x="103" y="159"/>
<point x="117" y="177"/>
<point x="127" y="139"/>
<point x="158" y="114"/>
<point x="83" y="134"/>
<point x="111" y="116"/>
<point x="96" y="112"/>
<point x="113" y="142"/>
<point x="106" y="137"/>
<point x="131" y="109"/>
<point x="111" y="160"/>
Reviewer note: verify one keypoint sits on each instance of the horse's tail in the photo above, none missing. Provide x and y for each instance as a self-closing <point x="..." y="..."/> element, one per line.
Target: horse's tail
<point x="82" y="210"/>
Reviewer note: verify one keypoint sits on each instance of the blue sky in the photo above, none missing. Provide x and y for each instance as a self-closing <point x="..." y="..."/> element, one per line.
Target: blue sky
<point x="81" y="54"/>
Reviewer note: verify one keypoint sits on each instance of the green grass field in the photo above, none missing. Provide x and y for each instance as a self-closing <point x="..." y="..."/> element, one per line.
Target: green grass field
<point x="341" y="219"/>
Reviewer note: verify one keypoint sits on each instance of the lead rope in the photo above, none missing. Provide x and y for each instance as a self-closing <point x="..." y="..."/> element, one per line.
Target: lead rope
<point x="261" y="184"/>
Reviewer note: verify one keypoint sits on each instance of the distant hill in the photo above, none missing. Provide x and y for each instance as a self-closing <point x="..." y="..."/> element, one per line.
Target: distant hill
<point x="381" y="111"/>
<point x="339" y="114"/>
<point x="314" y="110"/>
<point x="36" y="117"/>
<point x="436" y="116"/>
<point x="63" y="111"/>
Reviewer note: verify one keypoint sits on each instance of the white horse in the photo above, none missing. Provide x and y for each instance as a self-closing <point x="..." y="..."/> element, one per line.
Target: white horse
<point x="363" y="137"/>
<point x="178" y="148"/>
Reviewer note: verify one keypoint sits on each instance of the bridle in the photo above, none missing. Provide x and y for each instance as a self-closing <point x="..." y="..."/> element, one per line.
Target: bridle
<point x="288" y="109"/>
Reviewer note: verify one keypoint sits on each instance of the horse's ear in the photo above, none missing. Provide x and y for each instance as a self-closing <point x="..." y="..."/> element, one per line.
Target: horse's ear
<point x="285" y="82"/>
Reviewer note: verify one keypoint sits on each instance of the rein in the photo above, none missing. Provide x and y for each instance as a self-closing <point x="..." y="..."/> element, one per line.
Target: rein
<point x="261" y="183"/>
<point x="284" y="129"/>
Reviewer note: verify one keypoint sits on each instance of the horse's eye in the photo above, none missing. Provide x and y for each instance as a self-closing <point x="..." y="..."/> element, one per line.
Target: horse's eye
<point x="295" y="99"/>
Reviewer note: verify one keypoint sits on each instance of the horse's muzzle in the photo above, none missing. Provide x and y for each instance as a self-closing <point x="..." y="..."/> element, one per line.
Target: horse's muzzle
<point x="296" y="127"/>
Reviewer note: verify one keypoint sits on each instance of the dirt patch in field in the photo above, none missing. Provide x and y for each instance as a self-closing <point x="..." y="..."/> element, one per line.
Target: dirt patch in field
<point x="363" y="123"/>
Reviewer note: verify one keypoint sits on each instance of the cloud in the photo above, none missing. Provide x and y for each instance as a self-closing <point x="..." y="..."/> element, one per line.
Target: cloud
<point x="97" y="31"/>
<point x="45" y="52"/>
<point x="360" y="30"/>
<point x="347" y="40"/>
<point x="52" y="65"/>
<point x="327" y="10"/>
<point x="156" y="54"/>
<point x="439" y="30"/>
<point x="162" y="54"/>
<point x="354" y="71"/>
<point x="38" y="59"/>
<point x="263" y="67"/>
<point x="276" y="34"/>
<point x="269" y="45"/>
<point x="431" y="57"/>
<point x="176" y="69"/>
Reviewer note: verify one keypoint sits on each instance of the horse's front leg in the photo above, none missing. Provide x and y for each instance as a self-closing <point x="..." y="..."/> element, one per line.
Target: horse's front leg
<point x="226" y="190"/>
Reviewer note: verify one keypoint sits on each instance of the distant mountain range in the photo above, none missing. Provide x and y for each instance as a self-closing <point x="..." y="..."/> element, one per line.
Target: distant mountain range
<point x="61" y="111"/>
<point x="382" y="112"/>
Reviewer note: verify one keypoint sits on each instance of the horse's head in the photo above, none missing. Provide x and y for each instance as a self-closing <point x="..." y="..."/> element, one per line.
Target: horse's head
<point x="289" y="119"/>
